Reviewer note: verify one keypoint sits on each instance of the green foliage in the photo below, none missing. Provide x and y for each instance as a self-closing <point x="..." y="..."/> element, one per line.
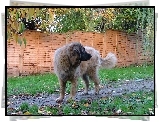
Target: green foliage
<point x="63" y="20"/>
<point x="49" y="82"/>
<point x="33" y="109"/>
<point x="24" y="107"/>
<point x="72" y="20"/>
<point x="87" y="19"/>
<point x="131" y="19"/>
<point x="148" y="38"/>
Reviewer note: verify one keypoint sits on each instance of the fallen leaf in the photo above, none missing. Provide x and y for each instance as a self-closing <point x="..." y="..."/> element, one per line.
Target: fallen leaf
<point x="20" y="113"/>
<point x="56" y="90"/>
<point x="151" y="112"/>
<point x="86" y="104"/>
<point x="27" y="113"/>
<point x="149" y="98"/>
<point x="8" y="103"/>
<point x="89" y="100"/>
<point x="40" y="112"/>
<point x="14" y="96"/>
<point x="59" y="105"/>
<point x="66" y="93"/>
<point x="113" y="91"/>
<point x="118" y="111"/>
<point x="101" y="86"/>
<point x="80" y="90"/>
<point x="84" y="113"/>
<point x="13" y="113"/>
<point x="49" y="112"/>
<point x="150" y="109"/>
<point x="75" y="105"/>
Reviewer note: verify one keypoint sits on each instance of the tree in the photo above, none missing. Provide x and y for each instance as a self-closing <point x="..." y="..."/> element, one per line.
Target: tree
<point x="20" y="19"/>
<point x="72" y="20"/>
<point x="69" y="19"/>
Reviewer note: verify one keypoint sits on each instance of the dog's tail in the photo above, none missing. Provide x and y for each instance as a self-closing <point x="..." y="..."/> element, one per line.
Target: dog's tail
<point x="109" y="61"/>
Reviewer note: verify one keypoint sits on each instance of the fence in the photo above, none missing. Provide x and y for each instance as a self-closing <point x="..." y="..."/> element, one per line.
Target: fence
<point x="37" y="56"/>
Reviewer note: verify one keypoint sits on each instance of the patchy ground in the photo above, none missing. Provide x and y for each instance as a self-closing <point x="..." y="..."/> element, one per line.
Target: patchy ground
<point x="112" y="89"/>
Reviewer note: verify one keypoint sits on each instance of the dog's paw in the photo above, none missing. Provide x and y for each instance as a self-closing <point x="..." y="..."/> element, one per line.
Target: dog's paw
<point x="59" y="100"/>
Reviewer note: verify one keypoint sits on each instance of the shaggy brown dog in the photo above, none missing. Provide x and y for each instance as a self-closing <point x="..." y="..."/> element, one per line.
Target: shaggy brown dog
<point x="66" y="66"/>
<point x="73" y="61"/>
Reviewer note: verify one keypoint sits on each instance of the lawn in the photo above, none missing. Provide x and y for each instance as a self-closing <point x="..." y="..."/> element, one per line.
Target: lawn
<point x="49" y="83"/>
<point x="138" y="103"/>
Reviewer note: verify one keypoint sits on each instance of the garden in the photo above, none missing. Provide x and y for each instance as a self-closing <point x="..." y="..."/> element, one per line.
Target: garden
<point x="127" y="89"/>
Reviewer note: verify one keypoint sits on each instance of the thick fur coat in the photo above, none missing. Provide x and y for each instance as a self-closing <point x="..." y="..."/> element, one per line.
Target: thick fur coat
<point x="73" y="61"/>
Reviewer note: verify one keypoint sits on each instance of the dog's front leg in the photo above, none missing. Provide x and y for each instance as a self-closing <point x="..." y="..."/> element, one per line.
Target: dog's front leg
<point x="62" y="91"/>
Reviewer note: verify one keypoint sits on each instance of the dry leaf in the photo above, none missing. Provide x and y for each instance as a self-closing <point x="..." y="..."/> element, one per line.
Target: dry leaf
<point x="27" y="113"/>
<point x="49" y="112"/>
<point x="86" y="105"/>
<point x="40" y="112"/>
<point x="118" y="111"/>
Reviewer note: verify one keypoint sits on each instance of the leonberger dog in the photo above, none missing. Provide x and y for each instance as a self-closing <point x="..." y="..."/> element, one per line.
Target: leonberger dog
<point x="73" y="61"/>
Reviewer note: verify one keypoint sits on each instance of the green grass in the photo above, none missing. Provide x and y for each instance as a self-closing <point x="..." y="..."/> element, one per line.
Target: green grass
<point x="32" y="84"/>
<point x="138" y="103"/>
<point x="127" y="73"/>
<point x="49" y="83"/>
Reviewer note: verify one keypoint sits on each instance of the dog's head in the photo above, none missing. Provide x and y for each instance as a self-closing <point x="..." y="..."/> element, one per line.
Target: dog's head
<point x="77" y="53"/>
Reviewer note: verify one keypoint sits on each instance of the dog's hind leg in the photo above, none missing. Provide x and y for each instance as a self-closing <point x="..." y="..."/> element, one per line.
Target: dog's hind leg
<point x="94" y="77"/>
<point x="62" y="91"/>
<point x="73" y="89"/>
<point x="86" y="80"/>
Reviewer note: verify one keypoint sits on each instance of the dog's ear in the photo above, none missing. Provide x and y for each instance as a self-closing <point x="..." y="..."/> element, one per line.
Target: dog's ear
<point x="74" y="54"/>
<point x="76" y="51"/>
